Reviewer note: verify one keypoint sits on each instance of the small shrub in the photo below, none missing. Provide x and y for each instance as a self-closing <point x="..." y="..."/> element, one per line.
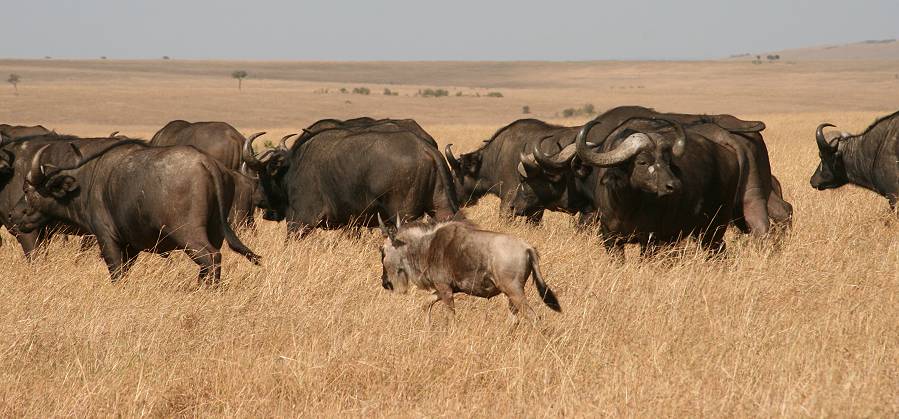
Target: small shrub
<point x="165" y="57"/>
<point x="388" y="92"/>
<point x="568" y="112"/>
<point x="587" y="109"/>
<point x="343" y="90"/>
<point x="494" y="94"/>
<point x="433" y="92"/>
<point x="459" y="94"/>
<point x="103" y="57"/>
<point x="361" y="91"/>
<point x="525" y="109"/>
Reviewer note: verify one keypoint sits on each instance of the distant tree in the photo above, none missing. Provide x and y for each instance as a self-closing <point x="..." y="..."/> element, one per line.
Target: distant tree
<point x="165" y="57"/>
<point x="589" y="109"/>
<point x="103" y="57"/>
<point x="47" y="57"/>
<point x="387" y="92"/>
<point x="494" y="94"/>
<point x="14" y="81"/>
<point x="239" y="75"/>
<point x="343" y="90"/>
<point x="361" y="91"/>
<point x="525" y="109"/>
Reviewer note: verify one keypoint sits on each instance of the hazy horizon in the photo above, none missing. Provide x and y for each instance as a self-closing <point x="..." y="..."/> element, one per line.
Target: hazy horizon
<point x="406" y="30"/>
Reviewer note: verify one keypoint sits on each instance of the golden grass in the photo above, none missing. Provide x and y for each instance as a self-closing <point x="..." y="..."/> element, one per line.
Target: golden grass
<point x="805" y="328"/>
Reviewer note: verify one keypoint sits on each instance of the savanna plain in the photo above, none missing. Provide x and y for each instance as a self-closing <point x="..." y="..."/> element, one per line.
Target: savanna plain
<point x="803" y="326"/>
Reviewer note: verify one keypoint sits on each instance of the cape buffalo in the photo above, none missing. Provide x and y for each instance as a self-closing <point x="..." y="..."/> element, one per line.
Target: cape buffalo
<point x="869" y="160"/>
<point x="344" y="176"/>
<point x="656" y="178"/>
<point x="455" y="257"/>
<point x="217" y="139"/>
<point x="15" y="159"/>
<point x="19" y="131"/>
<point x="133" y="198"/>
<point x="494" y="167"/>
<point x="562" y="182"/>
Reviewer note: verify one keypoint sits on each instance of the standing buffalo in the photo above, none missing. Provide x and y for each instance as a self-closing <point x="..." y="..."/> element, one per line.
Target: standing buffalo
<point x="15" y="158"/>
<point x="217" y="139"/>
<point x="133" y="198"/>
<point x="494" y="168"/>
<point x="869" y="159"/>
<point x="345" y="176"/>
<point x="654" y="177"/>
<point x="223" y="143"/>
<point x="20" y="131"/>
<point x="453" y="257"/>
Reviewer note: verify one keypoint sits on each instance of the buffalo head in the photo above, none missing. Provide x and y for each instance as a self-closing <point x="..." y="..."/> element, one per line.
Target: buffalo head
<point x="466" y="171"/>
<point x="46" y="190"/>
<point x="545" y="181"/>
<point x="831" y="172"/>
<point x="270" y="167"/>
<point x="644" y="159"/>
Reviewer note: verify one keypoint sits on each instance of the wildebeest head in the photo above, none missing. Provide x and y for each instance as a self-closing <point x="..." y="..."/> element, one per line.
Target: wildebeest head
<point x="644" y="156"/>
<point x="46" y="190"/>
<point x="270" y="167"/>
<point x="394" y="259"/>
<point x="831" y="172"/>
<point x="466" y="170"/>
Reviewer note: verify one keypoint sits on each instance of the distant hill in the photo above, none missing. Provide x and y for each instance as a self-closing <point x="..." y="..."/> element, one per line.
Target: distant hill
<point x="886" y="49"/>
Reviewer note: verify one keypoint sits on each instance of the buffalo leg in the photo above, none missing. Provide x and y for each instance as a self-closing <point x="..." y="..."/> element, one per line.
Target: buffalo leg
<point x="297" y="230"/>
<point x="536" y="217"/>
<point x="210" y="261"/>
<point x="114" y="256"/>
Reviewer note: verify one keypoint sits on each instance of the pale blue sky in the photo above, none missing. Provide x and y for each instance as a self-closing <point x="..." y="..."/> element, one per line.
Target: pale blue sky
<point x="433" y="30"/>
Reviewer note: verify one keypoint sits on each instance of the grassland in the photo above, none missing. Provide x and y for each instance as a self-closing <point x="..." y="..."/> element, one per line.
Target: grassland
<point x="806" y="327"/>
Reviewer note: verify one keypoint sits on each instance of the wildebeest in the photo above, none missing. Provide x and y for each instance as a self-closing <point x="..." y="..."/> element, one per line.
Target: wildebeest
<point x="133" y="198"/>
<point x="451" y="257"/>
<point x="561" y="183"/>
<point x="869" y="160"/>
<point x="656" y="178"/>
<point x="217" y="139"/>
<point x="345" y="176"/>
<point x="19" y="131"/>
<point x="494" y="167"/>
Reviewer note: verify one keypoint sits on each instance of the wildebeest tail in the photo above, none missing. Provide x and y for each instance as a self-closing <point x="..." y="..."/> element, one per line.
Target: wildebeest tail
<point x="233" y="241"/>
<point x="549" y="298"/>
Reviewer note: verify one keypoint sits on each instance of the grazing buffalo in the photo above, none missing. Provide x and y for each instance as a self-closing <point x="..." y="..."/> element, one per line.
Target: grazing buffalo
<point x="247" y="196"/>
<point x="869" y="160"/>
<point x="133" y="198"/>
<point x="494" y="168"/>
<point x="217" y="139"/>
<point x="455" y="256"/>
<point x="345" y="176"/>
<point x="366" y="123"/>
<point x="20" y="131"/>
<point x="650" y="177"/>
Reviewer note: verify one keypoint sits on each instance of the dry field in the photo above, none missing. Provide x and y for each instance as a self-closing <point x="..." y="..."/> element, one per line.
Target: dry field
<point x="807" y="327"/>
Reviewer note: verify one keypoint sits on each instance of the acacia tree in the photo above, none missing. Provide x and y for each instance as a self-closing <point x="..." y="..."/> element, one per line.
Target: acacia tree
<point x="239" y="75"/>
<point x="14" y="81"/>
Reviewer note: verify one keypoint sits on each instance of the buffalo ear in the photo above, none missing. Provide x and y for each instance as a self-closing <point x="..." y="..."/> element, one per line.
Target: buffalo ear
<point x="580" y="169"/>
<point x="61" y="186"/>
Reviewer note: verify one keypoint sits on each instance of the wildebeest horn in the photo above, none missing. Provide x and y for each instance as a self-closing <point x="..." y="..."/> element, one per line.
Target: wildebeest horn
<point x="628" y="148"/>
<point x="35" y="175"/>
<point x="386" y="231"/>
<point x="248" y="155"/>
<point x="560" y="160"/>
<point x="453" y="161"/>
<point x="819" y="137"/>
<point x="399" y="222"/>
<point x="283" y="144"/>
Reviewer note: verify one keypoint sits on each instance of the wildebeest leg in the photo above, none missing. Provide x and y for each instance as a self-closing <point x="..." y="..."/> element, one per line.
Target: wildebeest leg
<point x="430" y="305"/>
<point x="445" y="294"/>
<point x="518" y="303"/>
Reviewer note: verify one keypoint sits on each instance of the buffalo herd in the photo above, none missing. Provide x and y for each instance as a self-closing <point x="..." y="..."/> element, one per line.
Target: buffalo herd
<point x="639" y="175"/>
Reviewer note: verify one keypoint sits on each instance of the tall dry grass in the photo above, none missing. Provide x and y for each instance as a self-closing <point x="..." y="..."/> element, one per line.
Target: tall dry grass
<point x="806" y="327"/>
